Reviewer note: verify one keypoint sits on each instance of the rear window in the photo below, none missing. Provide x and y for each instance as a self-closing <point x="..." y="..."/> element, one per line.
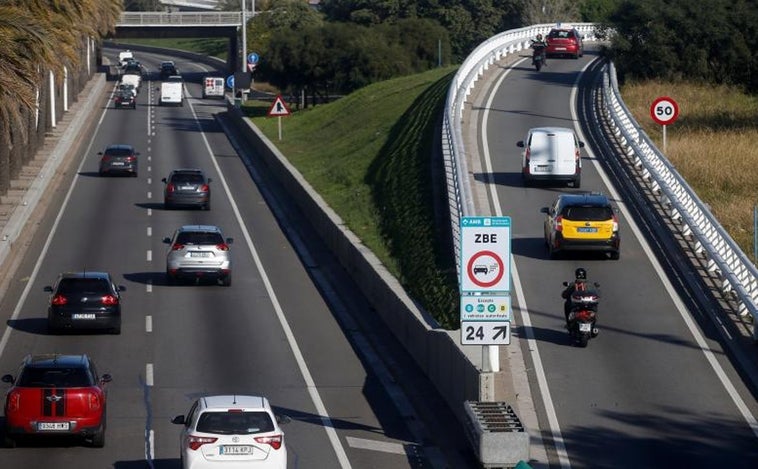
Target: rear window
<point x="83" y="285"/>
<point x="189" y="237"/>
<point x="55" y="378"/>
<point x="235" y="423"/>
<point x="118" y="152"/>
<point x="589" y="213"/>
<point x="187" y="178"/>
<point x="560" y="34"/>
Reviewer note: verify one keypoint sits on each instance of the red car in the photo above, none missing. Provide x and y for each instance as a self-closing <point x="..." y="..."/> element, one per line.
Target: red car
<point x="566" y="41"/>
<point x="56" y="395"/>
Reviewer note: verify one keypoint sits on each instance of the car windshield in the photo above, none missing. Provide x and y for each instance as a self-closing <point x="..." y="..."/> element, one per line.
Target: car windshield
<point x="187" y="178"/>
<point x="588" y="213"/>
<point x="235" y="423"/>
<point x="83" y="285"/>
<point x="189" y="237"/>
<point x="55" y="378"/>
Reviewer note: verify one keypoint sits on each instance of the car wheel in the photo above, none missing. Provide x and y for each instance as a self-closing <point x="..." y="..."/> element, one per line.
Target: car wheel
<point x="616" y="255"/>
<point x="98" y="439"/>
<point x="207" y="205"/>
<point x="170" y="279"/>
<point x="551" y="253"/>
<point x="227" y="281"/>
<point x="116" y="330"/>
<point x="577" y="183"/>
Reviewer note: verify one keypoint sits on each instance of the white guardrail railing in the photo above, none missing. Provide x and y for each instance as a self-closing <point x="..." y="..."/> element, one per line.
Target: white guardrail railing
<point x="163" y="18"/>
<point x="739" y="276"/>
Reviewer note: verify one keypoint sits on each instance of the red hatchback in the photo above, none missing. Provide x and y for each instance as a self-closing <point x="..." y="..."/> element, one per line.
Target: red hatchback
<point x="565" y="41"/>
<point x="56" y="395"/>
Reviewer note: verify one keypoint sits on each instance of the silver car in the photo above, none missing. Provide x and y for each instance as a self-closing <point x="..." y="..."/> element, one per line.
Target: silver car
<point x="199" y="252"/>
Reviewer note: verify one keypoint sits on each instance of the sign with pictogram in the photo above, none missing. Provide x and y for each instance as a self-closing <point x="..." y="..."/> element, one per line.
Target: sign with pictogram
<point x="485" y="308"/>
<point x="485" y="254"/>
<point x="664" y="110"/>
<point x="278" y="107"/>
<point x="485" y="333"/>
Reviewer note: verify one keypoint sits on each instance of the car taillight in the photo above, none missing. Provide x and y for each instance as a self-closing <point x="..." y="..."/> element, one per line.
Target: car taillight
<point x="177" y="247"/>
<point x="94" y="401"/>
<point x="170" y="188"/>
<point x="131" y="158"/>
<point x="204" y="188"/>
<point x="559" y="223"/>
<point x="59" y="300"/>
<point x="13" y="402"/>
<point x="106" y="158"/>
<point x="274" y="441"/>
<point x="615" y="223"/>
<point x="109" y="300"/>
<point x="194" y="442"/>
<point x="222" y="247"/>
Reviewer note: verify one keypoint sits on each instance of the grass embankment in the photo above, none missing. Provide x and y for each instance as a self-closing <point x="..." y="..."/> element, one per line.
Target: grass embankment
<point x="370" y="155"/>
<point x="713" y="146"/>
<point x="214" y="47"/>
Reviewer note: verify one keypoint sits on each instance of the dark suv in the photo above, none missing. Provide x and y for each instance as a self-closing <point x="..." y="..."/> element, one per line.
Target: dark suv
<point x="84" y="300"/>
<point x="118" y="159"/>
<point x="582" y="222"/>
<point x="187" y="188"/>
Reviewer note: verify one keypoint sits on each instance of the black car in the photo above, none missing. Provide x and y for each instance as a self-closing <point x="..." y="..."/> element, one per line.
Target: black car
<point x="84" y="300"/>
<point x="187" y="187"/>
<point x="118" y="159"/>
<point x="125" y="99"/>
<point x="168" y="69"/>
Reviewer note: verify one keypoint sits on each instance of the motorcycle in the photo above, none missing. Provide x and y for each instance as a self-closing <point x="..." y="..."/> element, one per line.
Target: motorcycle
<point x="538" y="56"/>
<point x="582" y="316"/>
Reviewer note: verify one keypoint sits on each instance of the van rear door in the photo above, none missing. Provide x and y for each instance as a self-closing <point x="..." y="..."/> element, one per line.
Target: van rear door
<point x="564" y="152"/>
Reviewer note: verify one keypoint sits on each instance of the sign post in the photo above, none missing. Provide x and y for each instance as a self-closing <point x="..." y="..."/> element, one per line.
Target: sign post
<point x="486" y="285"/>
<point x="664" y="111"/>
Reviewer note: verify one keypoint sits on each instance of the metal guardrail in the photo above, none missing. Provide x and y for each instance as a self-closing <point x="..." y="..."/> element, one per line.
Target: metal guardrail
<point x="178" y="19"/>
<point x="739" y="276"/>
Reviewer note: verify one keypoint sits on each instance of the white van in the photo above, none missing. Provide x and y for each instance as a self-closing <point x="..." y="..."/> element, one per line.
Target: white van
<point x="124" y="57"/>
<point x="213" y="87"/>
<point x="132" y="79"/>
<point x="172" y="92"/>
<point x="551" y="154"/>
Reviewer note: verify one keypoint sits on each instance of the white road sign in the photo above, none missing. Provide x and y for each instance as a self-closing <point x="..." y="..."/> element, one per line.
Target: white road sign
<point x="485" y="333"/>
<point x="485" y="254"/>
<point x="485" y="308"/>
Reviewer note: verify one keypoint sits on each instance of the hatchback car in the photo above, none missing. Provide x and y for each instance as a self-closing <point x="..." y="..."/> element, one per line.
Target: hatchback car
<point x="231" y="431"/>
<point x="551" y="154"/>
<point x="582" y="222"/>
<point x="118" y="159"/>
<point x="564" y="41"/>
<point x="187" y="188"/>
<point x="167" y="69"/>
<point x="125" y="99"/>
<point x="199" y="252"/>
<point x="84" y="300"/>
<point x="55" y="394"/>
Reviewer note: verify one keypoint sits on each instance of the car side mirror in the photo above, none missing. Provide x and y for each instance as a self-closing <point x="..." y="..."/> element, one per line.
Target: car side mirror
<point x="167" y="240"/>
<point x="283" y="419"/>
<point x="178" y="420"/>
<point x="565" y="284"/>
<point x="210" y="180"/>
<point x="520" y="144"/>
<point x="137" y="153"/>
<point x="164" y="180"/>
<point x="106" y="378"/>
<point x="581" y="144"/>
<point x="7" y="379"/>
<point x="229" y="240"/>
<point x="597" y="285"/>
<point x="48" y="289"/>
<point x="99" y="153"/>
<point x="121" y="288"/>
<point x="545" y="210"/>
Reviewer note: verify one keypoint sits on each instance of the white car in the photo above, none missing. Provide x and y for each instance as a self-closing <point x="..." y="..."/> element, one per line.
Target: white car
<point x="231" y="432"/>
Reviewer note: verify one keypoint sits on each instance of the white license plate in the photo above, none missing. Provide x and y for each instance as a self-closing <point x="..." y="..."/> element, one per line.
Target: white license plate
<point x="541" y="169"/>
<point x="199" y="254"/>
<point x="236" y="449"/>
<point x="560" y="48"/>
<point x="83" y="316"/>
<point x="117" y="163"/>
<point x="53" y="426"/>
<point x="187" y="188"/>
<point x="585" y="327"/>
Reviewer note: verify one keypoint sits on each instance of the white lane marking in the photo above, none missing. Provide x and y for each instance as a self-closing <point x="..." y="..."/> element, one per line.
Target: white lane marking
<point x="148" y="324"/>
<point x="149" y="286"/>
<point x="149" y="374"/>
<point x="149" y="168"/>
<point x="149" y="212"/>
<point x="149" y="195"/>
<point x="539" y="370"/>
<point x="328" y="425"/>
<point x="149" y="255"/>
<point x="149" y="231"/>
<point x="149" y="158"/>
<point x="374" y="445"/>
<point x="151" y="446"/>
<point x="149" y="180"/>
<point x="750" y="419"/>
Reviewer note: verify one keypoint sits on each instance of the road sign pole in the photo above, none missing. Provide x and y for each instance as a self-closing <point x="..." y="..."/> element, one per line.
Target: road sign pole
<point x="664" y="139"/>
<point x="280" y="128"/>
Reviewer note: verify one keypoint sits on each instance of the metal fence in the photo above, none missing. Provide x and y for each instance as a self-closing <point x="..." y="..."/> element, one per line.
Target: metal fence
<point x="160" y="18"/>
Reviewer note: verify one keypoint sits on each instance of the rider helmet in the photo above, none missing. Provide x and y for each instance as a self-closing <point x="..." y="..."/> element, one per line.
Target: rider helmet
<point x="539" y="37"/>
<point x="580" y="274"/>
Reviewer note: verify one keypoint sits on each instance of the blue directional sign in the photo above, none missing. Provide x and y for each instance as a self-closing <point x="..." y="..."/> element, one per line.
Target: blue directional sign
<point x="252" y="58"/>
<point x="230" y="81"/>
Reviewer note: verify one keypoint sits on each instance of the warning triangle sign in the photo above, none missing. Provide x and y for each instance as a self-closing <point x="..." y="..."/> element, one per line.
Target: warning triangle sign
<point x="278" y="107"/>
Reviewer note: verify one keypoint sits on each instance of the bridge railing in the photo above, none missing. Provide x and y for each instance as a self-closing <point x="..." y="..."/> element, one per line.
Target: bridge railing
<point x="739" y="276"/>
<point x="162" y="18"/>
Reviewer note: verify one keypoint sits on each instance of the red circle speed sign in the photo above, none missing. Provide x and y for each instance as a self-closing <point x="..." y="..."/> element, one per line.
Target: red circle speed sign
<point x="664" y="110"/>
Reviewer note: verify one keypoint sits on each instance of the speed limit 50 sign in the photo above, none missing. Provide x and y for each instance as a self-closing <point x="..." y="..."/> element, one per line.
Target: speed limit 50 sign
<point x="664" y="110"/>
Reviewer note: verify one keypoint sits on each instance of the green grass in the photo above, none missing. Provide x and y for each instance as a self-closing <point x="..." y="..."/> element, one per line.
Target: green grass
<point x="214" y="47"/>
<point x="370" y="155"/>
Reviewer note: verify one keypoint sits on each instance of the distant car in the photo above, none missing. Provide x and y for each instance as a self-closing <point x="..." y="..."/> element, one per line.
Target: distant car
<point x="187" y="187"/>
<point x="134" y="67"/>
<point x="551" y="154"/>
<point x="582" y="222"/>
<point x="118" y="159"/>
<point x="564" y="40"/>
<point x="168" y="69"/>
<point x="124" y="57"/>
<point x="231" y="431"/>
<point x="84" y="300"/>
<point x="213" y="87"/>
<point x="127" y="88"/>
<point x="125" y="99"/>
<point x="55" y="394"/>
<point x="199" y="252"/>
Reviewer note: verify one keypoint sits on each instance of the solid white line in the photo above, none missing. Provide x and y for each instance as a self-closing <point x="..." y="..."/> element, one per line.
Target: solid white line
<point x="539" y="370"/>
<point x="148" y="323"/>
<point x="374" y="445"/>
<point x="673" y="293"/>
<point x="304" y="371"/>
<point x="149" y="374"/>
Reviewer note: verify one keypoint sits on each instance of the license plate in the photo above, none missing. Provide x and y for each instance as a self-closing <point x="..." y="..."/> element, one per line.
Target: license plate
<point x="53" y="426"/>
<point x="586" y="229"/>
<point x="560" y="48"/>
<point x="585" y="327"/>
<point x="187" y="188"/>
<point x="199" y="254"/>
<point x="83" y="316"/>
<point x="117" y="163"/>
<point x="541" y="169"/>
<point x="236" y="449"/>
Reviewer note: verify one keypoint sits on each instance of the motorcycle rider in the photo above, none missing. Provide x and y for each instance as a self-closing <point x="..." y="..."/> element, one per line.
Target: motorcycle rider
<point x="539" y="45"/>
<point x="579" y="283"/>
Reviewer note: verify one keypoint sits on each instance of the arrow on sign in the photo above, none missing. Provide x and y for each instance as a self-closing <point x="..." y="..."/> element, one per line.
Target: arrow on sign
<point x="500" y="331"/>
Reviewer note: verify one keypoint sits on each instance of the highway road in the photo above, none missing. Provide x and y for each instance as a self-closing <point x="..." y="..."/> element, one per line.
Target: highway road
<point x="658" y="387"/>
<point x="290" y="327"/>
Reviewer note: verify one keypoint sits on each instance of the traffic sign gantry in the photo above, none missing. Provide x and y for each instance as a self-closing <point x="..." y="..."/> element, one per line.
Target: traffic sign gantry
<point x="664" y="110"/>
<point x="485" y="254"/>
